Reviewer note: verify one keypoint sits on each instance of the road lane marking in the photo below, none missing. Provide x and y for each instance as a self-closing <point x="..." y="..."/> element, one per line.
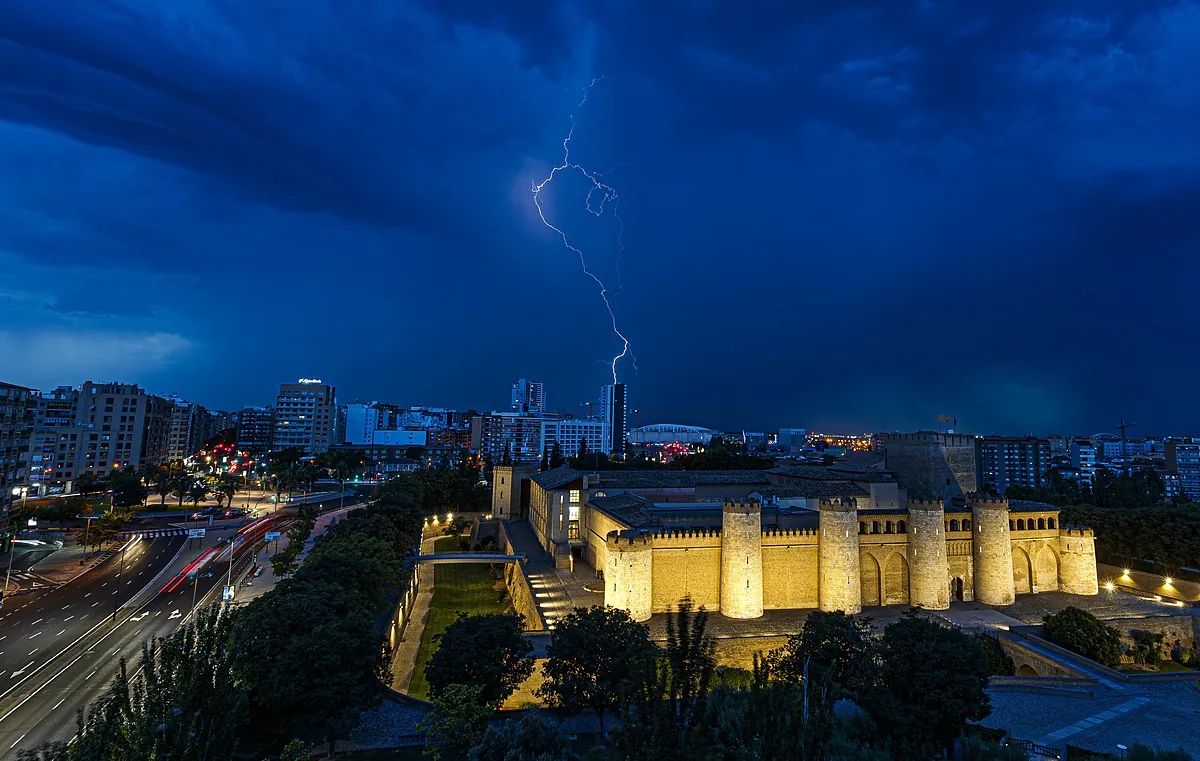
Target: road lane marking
<point x="95" y="604"/>
<point x="36" y="635"/>
<point x="19" y="739"/>
<point x="89" y="676"/>
<point x="89" y="594"/>
<point x="64" y="631"/>
<point x="35" y="623"/>
<point x="56" y="705"/>
<point x="68" y="618"/>
<point x="66" y="606"/>
<point x="16" y="674"/>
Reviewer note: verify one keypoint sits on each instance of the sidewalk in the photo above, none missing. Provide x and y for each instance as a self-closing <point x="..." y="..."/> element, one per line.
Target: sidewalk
<point x="254" y="588"/>
<point x="404" y="658"/>
<point x="62" y="566"/>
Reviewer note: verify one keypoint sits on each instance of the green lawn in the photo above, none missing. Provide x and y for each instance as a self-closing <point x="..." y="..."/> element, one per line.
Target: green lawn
<point x="1169" y="665"/>
<point x="466" y="588"/>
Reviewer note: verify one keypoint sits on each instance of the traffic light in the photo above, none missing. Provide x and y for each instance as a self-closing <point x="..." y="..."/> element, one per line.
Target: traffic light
<point x="6" y="541"/>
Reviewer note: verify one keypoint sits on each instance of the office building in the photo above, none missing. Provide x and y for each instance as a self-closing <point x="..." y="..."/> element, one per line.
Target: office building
<point x="112" y="431"/>
<point x="1004" y="461"/>
<point x="528" y="397"/>
<point x="255" y="426"/>
<point x="306" y="417"/>
<point x="17" y="409"/>
<point x="613" y="411"/>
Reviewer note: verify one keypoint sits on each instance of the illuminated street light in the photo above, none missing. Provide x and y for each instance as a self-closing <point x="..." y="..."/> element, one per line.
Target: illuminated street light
<point x="1167" y="581"/>
<point x="1124" y="571"/>
<point x="1110" y="586"/>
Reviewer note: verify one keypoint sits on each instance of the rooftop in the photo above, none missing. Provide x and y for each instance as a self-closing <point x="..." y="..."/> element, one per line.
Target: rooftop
<point x="556" y="478"/>
<point x="832" y="473"/>
<point x="807" y="489"/>
<point x="627" y="509"/>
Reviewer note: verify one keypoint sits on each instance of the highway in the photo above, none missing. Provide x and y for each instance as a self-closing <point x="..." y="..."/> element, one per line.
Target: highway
<point x="44" y="708"/>
<point x="36" y="625"/>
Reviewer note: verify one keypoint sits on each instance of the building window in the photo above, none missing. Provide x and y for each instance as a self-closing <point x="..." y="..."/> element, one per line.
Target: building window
<point x="954" y="525"/>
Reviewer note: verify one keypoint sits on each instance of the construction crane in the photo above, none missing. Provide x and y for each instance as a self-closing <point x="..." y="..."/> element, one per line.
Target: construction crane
<point x="1122" y="428"/>
<point x="637" y="416"/>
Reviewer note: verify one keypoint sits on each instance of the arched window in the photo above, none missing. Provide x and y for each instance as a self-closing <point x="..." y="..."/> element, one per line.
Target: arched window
<point x="954" y="524"/>
<point x="1020" y="524"/>
<point x="901" y="528"/>
<point x="598" y="494"/>
<point x="874" y="527"/>
<point x="888" y="528"/>
<point x="966" y="525"/>
<point x="1012" y="525"/>
<point x="1041" y="523"/>
<point x="1049" y="523"/>
<point x="862" y="527"/>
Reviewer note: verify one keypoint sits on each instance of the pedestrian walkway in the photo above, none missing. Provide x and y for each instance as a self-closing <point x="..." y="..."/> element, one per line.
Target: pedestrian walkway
<point x="152" y="534"/>
<point x="1091" y="721"/>
<point x="404" y="657"/>
<point x="258" y="586"/>
<point x="69" y="563"/>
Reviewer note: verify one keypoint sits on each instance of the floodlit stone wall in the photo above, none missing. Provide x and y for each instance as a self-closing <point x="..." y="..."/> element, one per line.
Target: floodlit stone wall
<point x="992" y="550"/>
<point x="741" y="560"/>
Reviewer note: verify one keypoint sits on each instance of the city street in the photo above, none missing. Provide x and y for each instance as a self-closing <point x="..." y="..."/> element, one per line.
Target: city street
<point x="43" y="709"/>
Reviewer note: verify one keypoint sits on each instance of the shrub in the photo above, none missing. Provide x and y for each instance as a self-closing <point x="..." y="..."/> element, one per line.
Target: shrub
<point x="1147" y="647"/>
<point x="998" y="661"/>
<point x="1081" y="632"/>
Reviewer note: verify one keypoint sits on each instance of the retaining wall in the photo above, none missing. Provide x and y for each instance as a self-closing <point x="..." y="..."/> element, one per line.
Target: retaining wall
<point x="519" y="590"/>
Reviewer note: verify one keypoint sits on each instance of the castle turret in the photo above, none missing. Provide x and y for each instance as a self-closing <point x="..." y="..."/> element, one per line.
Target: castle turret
<point x="929" y="572"/>
<point x="839" y="586"/>
<point x="1077" y="561"/>
<point x="741" y="560"/>
<point x="992" y="550"/>
<point x="628" y="573"/>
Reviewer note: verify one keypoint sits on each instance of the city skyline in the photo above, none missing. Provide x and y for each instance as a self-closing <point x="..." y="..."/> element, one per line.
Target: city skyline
<point x="853" y="219"/>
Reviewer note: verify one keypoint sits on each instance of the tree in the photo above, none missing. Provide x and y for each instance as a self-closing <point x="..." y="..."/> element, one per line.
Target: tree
<point x="932" y="681"/>
<point x="224" y="486"/>
<point x="1081" y="632"/>
<point x="457" y="723"/>
<point x="596" y="657"/>
<point x="544" y="465"/>
<point x="88" y="483"/>
<point x="197" y="492"/>
<point x="533" y="738"/>
<point x="164" y="485"/>
<point x="833" y="650"/>
<point x="999" y="663"/>
<point x="506" y="458"/>
<point x="557" y="460"/>
<point x="127" y="488"/>
<point x="583" y="448"/>
<point x="487" y="651"/>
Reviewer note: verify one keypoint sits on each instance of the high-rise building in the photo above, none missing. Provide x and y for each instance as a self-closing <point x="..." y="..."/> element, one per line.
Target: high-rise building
<point x="255" y="426"/>
<point x="519" y="435"/>
<point x="17" y="409"/>
<point x="1004" y="461"/>
<point x="362" y="420"/>
<point x="615" y="415"/>
<point x="528" y="397"/>
<point x="1083" y="459"/>
<point x="306" y="416"/>
<point x="112" y="419"/>
<point x="1183" y="460"/>
<point x="156" y="433"/>
<point x="191" y="426"/>
<point x="568" y="432"/>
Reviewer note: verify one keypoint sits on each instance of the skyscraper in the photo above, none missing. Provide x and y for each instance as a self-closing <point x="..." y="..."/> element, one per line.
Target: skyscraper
<point x="614" y="413"/>
<point x="306" y="417"/>
<point x="17" y="408"/>
<point x="528" y="397"/>
<point x="255" y="426"/>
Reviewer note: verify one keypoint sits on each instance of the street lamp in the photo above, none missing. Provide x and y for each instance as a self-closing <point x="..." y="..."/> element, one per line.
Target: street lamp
<point x="22" y="492"/>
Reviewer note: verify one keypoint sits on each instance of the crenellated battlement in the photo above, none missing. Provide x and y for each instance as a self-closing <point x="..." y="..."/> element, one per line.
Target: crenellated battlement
<point x="790" y="533"/>
<point x="927" y="505"/>
<point x="1079" y="531"/>
<point x="627" y="541"/>
<point x="693" y="532"/>
<point x="975" y="499"/>
<point x="838" y="504"/>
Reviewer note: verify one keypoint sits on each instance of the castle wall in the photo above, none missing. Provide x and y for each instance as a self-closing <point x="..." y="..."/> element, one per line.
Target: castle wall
<point x="993" y="552"/>
<point x="687" y="562"/>
<point x="929" y="586"/>
<point x="1035" y="564"/>
<point x="838" y="564"/>
<point x="595" y="530"/>
<point x="789" y="563"/>
<point x="930" y="464"/>
<point x="629" y="574"/>
<point x="1077" y="556"/>
<point x="961" y="561"/>
<point x="741" y="560"/>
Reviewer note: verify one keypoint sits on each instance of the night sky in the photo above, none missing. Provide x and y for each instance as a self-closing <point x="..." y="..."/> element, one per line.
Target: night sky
<point x="851" y="215"/>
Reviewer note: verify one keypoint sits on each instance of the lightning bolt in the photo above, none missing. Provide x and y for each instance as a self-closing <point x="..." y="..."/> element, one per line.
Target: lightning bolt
<point x="600" y="194"/>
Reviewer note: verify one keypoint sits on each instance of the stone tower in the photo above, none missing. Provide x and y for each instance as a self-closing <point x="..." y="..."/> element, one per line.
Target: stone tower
<point x="992" y="550"/>
<point x="1077" y="561"/>
<point x="839" y="586"/>
<point x="628" y="573"/>
<point x="929" y="572"/>
<point x="741" y="560"/>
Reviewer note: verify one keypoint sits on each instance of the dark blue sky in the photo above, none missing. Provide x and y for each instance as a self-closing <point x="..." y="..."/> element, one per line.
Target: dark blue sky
<point x="853" y="215"/>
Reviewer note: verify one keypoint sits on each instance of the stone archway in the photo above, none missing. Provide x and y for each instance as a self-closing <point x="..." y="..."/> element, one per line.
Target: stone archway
<point x="895" y="581"/>
<point x="1022" y="572"/>
<point x="1047" y="570"/>
<point x="956" y="589"/>
<point x="869" y="578"/>
<point x="1026" y="670"/>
